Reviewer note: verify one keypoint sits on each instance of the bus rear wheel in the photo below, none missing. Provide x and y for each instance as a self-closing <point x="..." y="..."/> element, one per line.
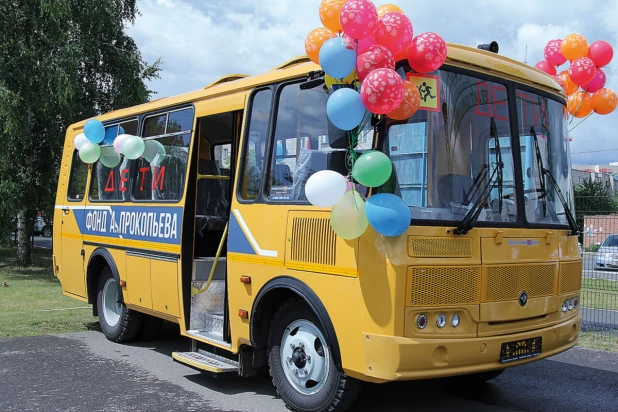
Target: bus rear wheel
<point x="301" y="363"/>
<point x="118" y="323"/>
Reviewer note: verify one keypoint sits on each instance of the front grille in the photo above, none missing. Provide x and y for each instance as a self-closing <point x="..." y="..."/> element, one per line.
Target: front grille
<point x="431" y="286"/>
<point x="439" y="247"/>
<point x="313" y="241"/>
<point x="508" y="281"/>
<point x="570" y="277"/>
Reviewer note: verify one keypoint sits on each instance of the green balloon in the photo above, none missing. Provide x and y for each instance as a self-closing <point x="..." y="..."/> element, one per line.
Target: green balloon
<point x="372" y="169"/>
<point x="154" y="152"/>
<point x="109" y="157"/>
<point x="133" y="147"/>
<point x="89" y="152"/>
<point x="347" y="218"/>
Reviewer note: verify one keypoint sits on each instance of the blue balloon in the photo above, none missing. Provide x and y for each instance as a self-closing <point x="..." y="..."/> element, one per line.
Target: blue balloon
<point x="110" y="135"/>
<point x="388" y="214"/>
<point x="337" y="58"/>
<point x="121" y="131"/>
<point x="345" y="109"/>
<point x="94" y="131"/>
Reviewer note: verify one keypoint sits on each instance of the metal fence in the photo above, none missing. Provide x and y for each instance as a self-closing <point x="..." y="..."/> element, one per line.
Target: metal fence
<point x="597" y="218"/>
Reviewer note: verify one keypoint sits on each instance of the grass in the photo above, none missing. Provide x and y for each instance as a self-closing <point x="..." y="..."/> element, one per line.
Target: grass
<point x="596" y="340"/>
<point x="33" y="304"/>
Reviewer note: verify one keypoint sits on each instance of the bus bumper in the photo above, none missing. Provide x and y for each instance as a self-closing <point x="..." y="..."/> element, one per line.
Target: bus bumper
<point x="390" y="358"/>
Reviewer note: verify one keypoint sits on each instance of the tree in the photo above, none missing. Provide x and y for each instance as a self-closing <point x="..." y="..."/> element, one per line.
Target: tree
<point x="593" y="198"/>
<point x="61" y="61"/>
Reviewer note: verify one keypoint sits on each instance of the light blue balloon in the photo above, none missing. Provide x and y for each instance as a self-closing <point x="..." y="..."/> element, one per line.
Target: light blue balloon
<point x="94" y="131"/>
<point x="345" y="109"/>
<point x="336" y="58"/>
<point x="388" y="214"/>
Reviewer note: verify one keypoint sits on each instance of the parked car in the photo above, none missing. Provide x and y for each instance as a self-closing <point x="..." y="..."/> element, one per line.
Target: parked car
<point x="579" y="246"/>
<point x="42" y="228"/>
<point x="607" y="256"/>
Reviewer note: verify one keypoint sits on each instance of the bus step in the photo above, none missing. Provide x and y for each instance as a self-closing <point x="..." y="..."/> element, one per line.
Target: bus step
<point x="206" y="361"/>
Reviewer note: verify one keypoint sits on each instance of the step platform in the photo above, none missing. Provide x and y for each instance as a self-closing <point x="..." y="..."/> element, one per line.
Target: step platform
<point x="206" y="361"/>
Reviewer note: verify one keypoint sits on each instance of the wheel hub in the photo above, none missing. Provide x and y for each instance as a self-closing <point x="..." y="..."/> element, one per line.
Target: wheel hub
<point x="299" y="357"/>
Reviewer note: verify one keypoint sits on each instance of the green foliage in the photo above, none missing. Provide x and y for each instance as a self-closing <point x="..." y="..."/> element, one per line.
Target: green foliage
<point x="592" y="248"/>
<point x="61" y="61"/>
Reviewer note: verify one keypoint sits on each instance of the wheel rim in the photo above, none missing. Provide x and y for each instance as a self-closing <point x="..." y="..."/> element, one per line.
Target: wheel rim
<point x="305" y="357"/>
<point x="111" y="302"/>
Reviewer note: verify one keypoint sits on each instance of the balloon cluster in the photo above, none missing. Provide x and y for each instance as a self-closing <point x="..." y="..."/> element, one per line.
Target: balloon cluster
<point x="132" y="147"/>
<point x="358" y="49"/>
<point x="584" y="80"/>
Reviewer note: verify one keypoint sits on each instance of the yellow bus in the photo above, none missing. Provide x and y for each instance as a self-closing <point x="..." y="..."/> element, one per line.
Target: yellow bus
<point x="215" y="232"/>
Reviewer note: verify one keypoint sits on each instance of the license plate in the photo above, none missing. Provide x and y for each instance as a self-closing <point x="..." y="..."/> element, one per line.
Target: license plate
<point x="520" y="349"/>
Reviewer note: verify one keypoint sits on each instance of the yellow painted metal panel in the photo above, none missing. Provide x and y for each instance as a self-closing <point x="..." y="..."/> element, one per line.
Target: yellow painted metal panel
<point x="164" y="281"/>
<point x="520" y="250"/>
<point x="138" y="281"/>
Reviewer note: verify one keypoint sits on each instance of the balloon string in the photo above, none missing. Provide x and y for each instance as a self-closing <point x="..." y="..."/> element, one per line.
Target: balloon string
<point x="570" y="130"/>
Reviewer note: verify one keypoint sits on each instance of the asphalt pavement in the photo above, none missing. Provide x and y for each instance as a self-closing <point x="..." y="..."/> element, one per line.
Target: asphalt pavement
<point x="85" y="372"/>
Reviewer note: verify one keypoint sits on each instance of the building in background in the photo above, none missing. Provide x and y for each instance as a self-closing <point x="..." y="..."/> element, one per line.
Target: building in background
<point x="607" y="174"/>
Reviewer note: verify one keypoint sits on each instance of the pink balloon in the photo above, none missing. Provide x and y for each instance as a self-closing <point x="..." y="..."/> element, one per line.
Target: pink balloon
<point x="394" y="30"/>
<point x="376" y="57"/>
<point x="382" y="91"/>
<point x="546" y="67"/>
<point x="119" y="141"/>
<point x="598" y="82"/>
<point x="362" y="45"/>
<point x="553" y="54"/>
<point x="358" y="18"/>
<point x="582" y="71"/>
<point x="427" y="52"/>
<point x="601" y="53"/>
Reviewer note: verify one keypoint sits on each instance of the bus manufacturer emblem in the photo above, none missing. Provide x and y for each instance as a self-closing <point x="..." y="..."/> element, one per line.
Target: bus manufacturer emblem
<point x="523" y="298"/>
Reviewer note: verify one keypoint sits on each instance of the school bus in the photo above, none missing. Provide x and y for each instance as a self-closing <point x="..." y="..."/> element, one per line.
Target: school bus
<point x="217" y="236"/>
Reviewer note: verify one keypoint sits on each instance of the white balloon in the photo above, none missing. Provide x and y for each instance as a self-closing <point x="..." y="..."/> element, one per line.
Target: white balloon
<point x="118" y="141"/>
<point x="325" y="188"/>
<point x="79" y="141"/>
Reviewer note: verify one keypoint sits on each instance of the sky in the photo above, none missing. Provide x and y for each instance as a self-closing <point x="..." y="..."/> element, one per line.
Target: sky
<point x="199" y="41"/>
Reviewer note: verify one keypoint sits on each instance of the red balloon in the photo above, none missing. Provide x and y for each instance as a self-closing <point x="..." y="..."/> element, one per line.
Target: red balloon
<point x="362" y="45"/>
<point x="427" y="52"/>
<point x="382" y="91"/>
<point x="358" y="18"/>
<point x="598" y="82"/>
<point x="394" y="30"/>
<point x="553" y="54"/>
<point x="376" y="57"/>
<point x="582" y="71"/>
<point x="546" y="67"/>
<point x="601" y="53"/>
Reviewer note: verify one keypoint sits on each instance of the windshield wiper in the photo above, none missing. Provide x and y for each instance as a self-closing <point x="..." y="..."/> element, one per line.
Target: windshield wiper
<point x="546" y="173"/>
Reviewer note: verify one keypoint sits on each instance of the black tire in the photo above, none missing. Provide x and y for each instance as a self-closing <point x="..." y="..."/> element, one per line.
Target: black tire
<point x="337" y="393"/>
<point x="129" y="322"/>
<point x="47" y="231"/>
<point x="151" y="327"/>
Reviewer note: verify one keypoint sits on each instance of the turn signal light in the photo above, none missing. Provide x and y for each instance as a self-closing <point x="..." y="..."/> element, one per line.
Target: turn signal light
<point x="421" y="321"/>
<point x="245" y="279"/>
<point x="243" y="314"/>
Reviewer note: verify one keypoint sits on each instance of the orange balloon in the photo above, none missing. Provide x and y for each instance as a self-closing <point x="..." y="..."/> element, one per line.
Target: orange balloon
<point x="604" y="101"/>
<point x="402" y="56"/>
<point x="410" y="103"/>
<point x="314" y="42"/>
<point x="388" y="8"/>
<point x="580" y="104"/>
<point x="574" y="46"/>
<point x="329" y="14"/>
<point x="567" y="84"/>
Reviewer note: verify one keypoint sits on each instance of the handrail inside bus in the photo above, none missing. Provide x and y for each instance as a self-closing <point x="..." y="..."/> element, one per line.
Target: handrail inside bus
<point x="196" y="291"/>
<point x="221" y="177"/>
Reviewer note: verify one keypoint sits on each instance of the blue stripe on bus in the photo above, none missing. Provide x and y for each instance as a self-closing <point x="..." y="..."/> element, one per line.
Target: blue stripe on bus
<point x="237" y="241"/>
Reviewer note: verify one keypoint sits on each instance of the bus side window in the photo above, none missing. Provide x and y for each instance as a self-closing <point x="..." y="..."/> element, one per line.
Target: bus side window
<point x="77" y="179"/>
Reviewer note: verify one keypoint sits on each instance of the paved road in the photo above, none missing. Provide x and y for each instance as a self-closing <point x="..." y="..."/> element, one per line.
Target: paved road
<point x="40" y="241"/>
<point x="85" y="372"/>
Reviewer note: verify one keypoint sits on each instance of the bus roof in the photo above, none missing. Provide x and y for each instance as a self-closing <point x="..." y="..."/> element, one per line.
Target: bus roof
<point x="458" y="55"/>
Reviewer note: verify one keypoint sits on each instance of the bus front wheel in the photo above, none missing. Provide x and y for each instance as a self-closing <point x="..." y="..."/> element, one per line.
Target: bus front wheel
<point x="118" y="323"/>
<point x="301" y="363"/>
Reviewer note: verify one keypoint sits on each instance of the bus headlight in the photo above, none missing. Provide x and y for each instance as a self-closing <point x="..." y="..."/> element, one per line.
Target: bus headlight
<point x="421" y="321"/>
<point x="564" y="306"/>
<point x="576" y="302"/>
<point x="455" y="320"/>
<point x="441" y="320"/>
<point x="570" y="304"/>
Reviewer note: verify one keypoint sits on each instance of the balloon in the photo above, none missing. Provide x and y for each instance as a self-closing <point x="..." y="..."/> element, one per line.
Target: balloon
<point x="133" y="147"/>
<point x="580" y="104"/>
<point x="337" y="59"/>
<point x="382" y="91"/>
<point x="598" y="82"/>
<point x="410" y="103"/>
<point x="362" y="45"/>
<point x="153" y="152"/>
<point x="372" y="169"/>
<point x="345" y="108"/>
<point x="358" y="18"/>
<point x="110" y="135"/>
<point x="119" y="141"/>
<point x="582" y="71"/>
<point x="601" y="53"/>
<point x="329" y="14"/>
<point x="574" y="46"/>
<point x="388" y="214"/>
<point x="553" y="54"/>
<point x="427" y="52"/>
<point x="314" y="42"/>
<point x="325" y="188"/>
<point x="394" y="31"/>
<point x="546" y="67"/>
<point x="388" y="8"/>
<point x="604" y="101"/>
<point x="402" y="56"/>
<point x="347" y="218"/>
<point x="94" y="131"/>
<point x="90" y="152"/>
<point x="79" y="141"/>
<point x="329" y="80"/>
<point x="375" y="58"/>
<point x="567" y="84"/>
<point x="109" y="158"/>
